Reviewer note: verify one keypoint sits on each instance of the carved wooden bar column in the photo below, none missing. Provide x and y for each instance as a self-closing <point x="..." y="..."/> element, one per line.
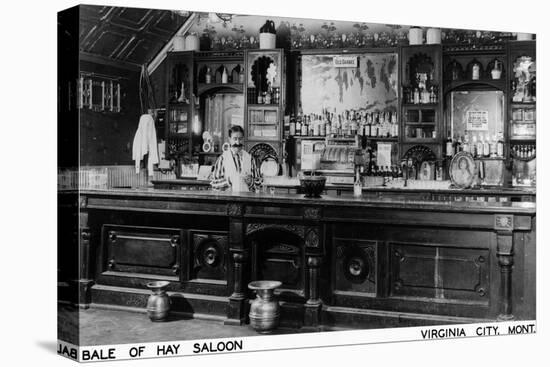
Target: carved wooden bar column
<point x="504" y="225"/>
<point x="236" y="313"/>
<point x="84" y="282"/>
<point x="314" y="251"/>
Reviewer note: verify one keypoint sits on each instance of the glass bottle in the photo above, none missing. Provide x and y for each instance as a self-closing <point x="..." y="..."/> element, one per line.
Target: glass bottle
<point x="292" y="127"/>
<point x="299" y="125"/>
<point x="493" y="146"/>
<point x="475" y="68"/>
<point x="224" y="75"/>
<point x="466" y="144"/>
<point x="208" y="76"/>
<point x="486" y="150"/>
<point x="449" y="146"/>
<point x="479" y="147"/>
<point x="500" y="145"/>
<point x="358" y="185"/>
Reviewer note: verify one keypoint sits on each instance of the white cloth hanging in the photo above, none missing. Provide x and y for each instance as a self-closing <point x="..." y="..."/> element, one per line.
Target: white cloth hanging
<point x="145" y="141"/>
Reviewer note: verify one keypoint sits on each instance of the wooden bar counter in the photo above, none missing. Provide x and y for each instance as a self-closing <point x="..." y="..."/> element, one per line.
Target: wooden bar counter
<point x="343" y="262"/>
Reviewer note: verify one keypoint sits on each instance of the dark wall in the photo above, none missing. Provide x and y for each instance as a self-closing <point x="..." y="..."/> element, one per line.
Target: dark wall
<point x="106" y="137"/>
<point x="158" y="82"/>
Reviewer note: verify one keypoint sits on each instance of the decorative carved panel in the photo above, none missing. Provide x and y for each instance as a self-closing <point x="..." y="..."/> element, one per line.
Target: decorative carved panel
<point x="235" y="210"/>
<point x="504" y="222"/>
<point x="209" y="254"/>
<point x="312" y="237"/>
<point x="253" y="227"/>
<point x="355" y="266"/>
<point x="312" y="213"/>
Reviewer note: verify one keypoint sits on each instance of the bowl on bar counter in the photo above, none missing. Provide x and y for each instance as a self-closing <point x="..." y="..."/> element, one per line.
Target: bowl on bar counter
<point x="312" y="183"/>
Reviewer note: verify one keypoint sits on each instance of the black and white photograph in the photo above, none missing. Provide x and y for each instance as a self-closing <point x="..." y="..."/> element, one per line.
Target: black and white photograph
<point x="233" y="181"/>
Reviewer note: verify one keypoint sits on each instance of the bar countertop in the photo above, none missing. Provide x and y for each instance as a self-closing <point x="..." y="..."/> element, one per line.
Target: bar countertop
<point x="324" y="201"/>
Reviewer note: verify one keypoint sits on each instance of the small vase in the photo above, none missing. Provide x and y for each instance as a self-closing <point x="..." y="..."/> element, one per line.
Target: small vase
<point x="264" y="310"/>
<point x="158" y="303"/>
<point x="496" y="71"/>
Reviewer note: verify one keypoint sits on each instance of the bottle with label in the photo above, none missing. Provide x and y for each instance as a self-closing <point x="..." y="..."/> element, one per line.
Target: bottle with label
<point x="224" y="75"/>
<point x="292" y="127"/>
<point x="486" y="147"/>
<point x="433" y="96"/>
<point x="305" y="126"/>
<point x="466" y="144"/>
<point x="449" y="147"/>
<point x="500" y="145"/>
<point x="208" y="76"/>
<point x="416" y="97"/>
<point x="479" y="147"/>
<point x="475" y="69"/>
<point x="298" y="125"/>
<point x="260" y="97"/>
<point x="493" y="146"/>
<point x="241" y="76"/>
<point x="358" y="185"/>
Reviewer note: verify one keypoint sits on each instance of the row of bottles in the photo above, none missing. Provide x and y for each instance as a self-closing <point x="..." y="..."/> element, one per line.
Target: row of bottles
<point x="271" y="96"/>
<point x="420" y="95"/>
<point x="478" y="146"/>
<point x="350" y="123"/>
<point x="225" y="77"/>
<point x="524" y="151"/>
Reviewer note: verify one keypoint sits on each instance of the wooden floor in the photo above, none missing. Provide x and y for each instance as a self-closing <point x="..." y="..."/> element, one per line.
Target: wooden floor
<point x="100" y="326"/>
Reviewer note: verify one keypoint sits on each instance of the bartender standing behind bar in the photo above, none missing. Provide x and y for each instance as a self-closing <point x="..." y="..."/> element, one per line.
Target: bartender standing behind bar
<point x="236" y="169"/>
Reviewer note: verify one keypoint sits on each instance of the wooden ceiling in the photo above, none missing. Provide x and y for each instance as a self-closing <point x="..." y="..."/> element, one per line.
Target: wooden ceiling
<point x="130" y="35"/>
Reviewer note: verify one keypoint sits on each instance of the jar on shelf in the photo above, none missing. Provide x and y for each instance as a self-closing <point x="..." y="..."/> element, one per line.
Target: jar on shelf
<point x="454" y="70"/>
<point x="415" y="36"/>
<point x="496" y="70"/>
<point x="475" y="70"/>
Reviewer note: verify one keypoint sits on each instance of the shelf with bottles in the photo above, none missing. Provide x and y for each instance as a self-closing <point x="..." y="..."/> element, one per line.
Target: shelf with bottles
<point x="467" y="71"/>
<point x="216" y="76"/>
<point x="420" y="123"/>
<point x="523" y="151"/>
<point x="421" y="70"/>
<point x="263" y="124"/>
<point x="348" y="124"/>
<point x="480" y="146"/>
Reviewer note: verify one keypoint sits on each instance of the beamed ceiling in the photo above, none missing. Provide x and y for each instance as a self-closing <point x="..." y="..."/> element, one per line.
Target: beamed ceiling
<point x="130" y="35"/>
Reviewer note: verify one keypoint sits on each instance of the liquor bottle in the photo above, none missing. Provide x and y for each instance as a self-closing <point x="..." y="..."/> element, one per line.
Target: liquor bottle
<point x="449" y="146"/>
<point x="416" y="96"/>
<point x="224" y="75"/>
<point x="353" y="125"/>
<point x="493" y="146"/>
<point x="208" y="76"/>
<point x="500" y="145"/>
<point x="260" y="97"/>
<point x="466" y="144"/>
<point x="479" y="147"/>
<point x="476" y="69"/>
<point x="292" y="127"/>
<point x="486" y="147"/>
<point x="357" y="185"/>
<point x="425" y="96"/>
<point x="305" y="126"/>
<point x="241" y="76"/>
<point x="298" y="125"/>
<point x="433" y="97"/>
